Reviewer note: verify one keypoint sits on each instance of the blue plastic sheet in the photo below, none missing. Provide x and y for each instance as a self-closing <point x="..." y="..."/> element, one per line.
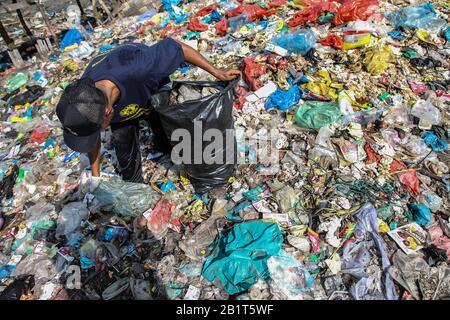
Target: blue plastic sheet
<point x="175" y="13"/>
<point x="71" y="37"/>
<point x="423" y="17"/>
<point x="215" y="16"/>
<point x="299" y="41"/>
<point x="240" y="258"/>
<point x="238" y="21"/>
<point x="284" y="99"/>
<point x="367" y="228"/>
<point x="147" y="15"/>
<point x="169" y="3"/>
<point x="434" y="142"/>
<point x="421" y="213"/>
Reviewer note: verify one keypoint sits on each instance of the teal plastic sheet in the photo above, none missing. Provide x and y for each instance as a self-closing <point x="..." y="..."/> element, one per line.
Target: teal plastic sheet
<point x="316" y="114"/>
<point x="433" y="141"/>
<point x="240" y="257"/>
<point x="421" y="213"/>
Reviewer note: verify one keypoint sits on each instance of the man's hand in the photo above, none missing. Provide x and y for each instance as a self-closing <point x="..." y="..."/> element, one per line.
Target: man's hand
<point x="227" y="74"/>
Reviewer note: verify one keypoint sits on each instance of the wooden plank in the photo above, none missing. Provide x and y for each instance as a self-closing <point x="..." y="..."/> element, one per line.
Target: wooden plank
<point x="21" y="4"/>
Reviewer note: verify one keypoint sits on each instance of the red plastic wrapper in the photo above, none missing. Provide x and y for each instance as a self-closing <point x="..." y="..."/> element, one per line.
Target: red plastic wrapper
<point x="333" y="41"/>
<point x="166" y="30"/>
<point x="253" y="70"/>
<point x="408" y="178"/>
<point x="315" y="240"/>
<point x="372" y="156"/>
<point x="418" y="88"/>
<point x="276" y="4"/>
<point x="254" y="10"/>
<point x="314" y="9"/>
<point x="206" y="10"/>
<point x="39" y="135"/>
<point x="222" y="27"/>
<point x="352" y="10"/>
<point x="195" y="25"/>
<point x="241" y="92"/>
<point x="276" y="62"/>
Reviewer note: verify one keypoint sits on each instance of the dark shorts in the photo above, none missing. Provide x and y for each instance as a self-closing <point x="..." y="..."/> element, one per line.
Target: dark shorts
<point x="125" y="139"/>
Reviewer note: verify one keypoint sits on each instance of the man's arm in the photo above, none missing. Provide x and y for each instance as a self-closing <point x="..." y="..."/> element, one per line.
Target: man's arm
<point x="94" y="158"/>
<point x="194" y="57"/>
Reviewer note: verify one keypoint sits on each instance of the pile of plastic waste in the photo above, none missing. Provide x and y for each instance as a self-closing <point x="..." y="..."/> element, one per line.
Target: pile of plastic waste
<point x="351" y="99"/>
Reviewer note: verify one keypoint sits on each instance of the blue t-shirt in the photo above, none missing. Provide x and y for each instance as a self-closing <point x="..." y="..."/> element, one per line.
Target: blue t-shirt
<point x="138" y="71"/>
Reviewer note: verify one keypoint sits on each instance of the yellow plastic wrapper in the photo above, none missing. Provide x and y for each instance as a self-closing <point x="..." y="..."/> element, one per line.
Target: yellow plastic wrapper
<point x="183" y="178"/>
<point x="18" y="120"/>
<point x="356" y="40"/>
<point x="423" y="35"/>
<point x="70" y="48"/>
<point x="280" y="25"/>
<point x="377" y="59"/>
<point x="70" y="65"/>
<point x="323" y="85"/>
<point x="383" y="226"/>
<point x="298" y="230"/>
<point x="157" y="18"/>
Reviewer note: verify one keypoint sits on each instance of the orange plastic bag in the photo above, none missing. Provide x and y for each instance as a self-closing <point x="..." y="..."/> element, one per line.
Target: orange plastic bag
<point x="352" y="10"/>
<point x="221" y="27"/>
<point x="276" y="4"/>
<point x="333" y="41"/>
<point x="206" y="10"/>
<point x="312" y="12"/>
<point x="195" y="25"/>
<point x="254" y="10"/>
<point x="253" y="70"/>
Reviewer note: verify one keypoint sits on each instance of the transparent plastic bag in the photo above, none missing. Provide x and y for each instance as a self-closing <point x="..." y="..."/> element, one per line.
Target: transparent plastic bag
<point x="298" y="42"/>
<point x="70" y="218"/>
<point x="322" y="146"/>
<point x="427" y="113"/>
<point x="289" y="276"/>
<point x="420" y="17"/>
<point x="125" y="198"/>
<point x="197" y="245"/>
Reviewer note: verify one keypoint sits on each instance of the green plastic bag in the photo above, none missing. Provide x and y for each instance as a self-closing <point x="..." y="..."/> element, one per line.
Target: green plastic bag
<point x="316" y="114"/>
<point x="240" y="258"/>
<point x="16" y="82"/>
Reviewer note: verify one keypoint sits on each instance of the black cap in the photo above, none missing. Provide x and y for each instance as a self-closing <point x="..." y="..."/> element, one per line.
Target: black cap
<point x="81" y="110"/>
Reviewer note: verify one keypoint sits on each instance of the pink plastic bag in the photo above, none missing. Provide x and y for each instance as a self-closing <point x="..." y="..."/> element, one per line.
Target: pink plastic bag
<point x="158" y="218"/>
<point x="439" y="240"/>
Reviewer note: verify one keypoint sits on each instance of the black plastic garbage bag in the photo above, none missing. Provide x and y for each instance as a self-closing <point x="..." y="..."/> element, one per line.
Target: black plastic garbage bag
<point x="17" y="288"/>
<point x="7" y="184"/>
<point x="32" y="94"/>
<point x="214" y="111"/>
